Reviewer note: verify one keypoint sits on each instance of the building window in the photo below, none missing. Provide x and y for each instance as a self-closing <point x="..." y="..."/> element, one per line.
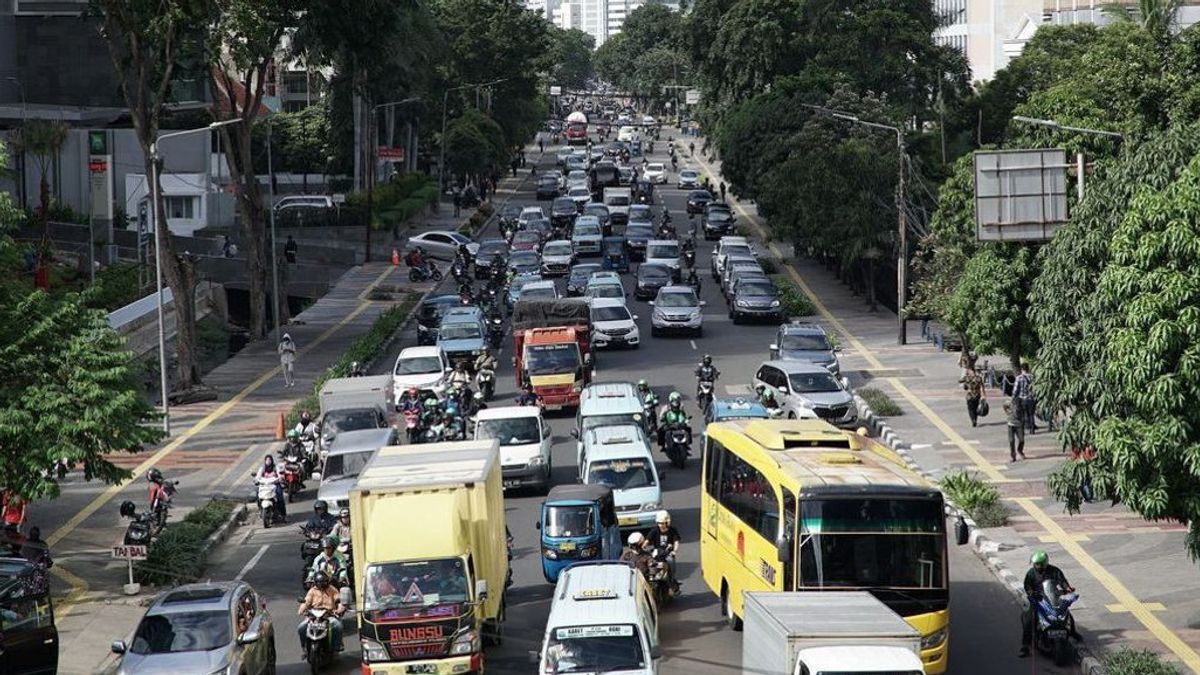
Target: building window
<point x="181" y="207"/>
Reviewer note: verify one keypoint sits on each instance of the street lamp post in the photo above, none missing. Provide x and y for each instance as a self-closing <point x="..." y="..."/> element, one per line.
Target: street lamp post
<point x="442" y="141"/>
<point x="159" y="237"/>
<point x="902" y="213"/>
<point x="375" y="160"/>
<point x="1080" y="164"/>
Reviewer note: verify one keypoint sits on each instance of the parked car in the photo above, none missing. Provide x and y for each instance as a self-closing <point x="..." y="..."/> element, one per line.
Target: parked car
<point x="677" y="308"/>
<point x="802" y="386"/>
<point x="805" y="342"/>
<point x="650" y="278"/>
<point x="208" y="627"/>
<point x="441" y="244"/>
<point x="578" y="277"/>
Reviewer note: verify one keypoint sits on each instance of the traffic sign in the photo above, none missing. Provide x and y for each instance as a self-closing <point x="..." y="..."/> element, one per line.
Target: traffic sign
<point x="129" y="552"/>
<point x="394" y="154"/>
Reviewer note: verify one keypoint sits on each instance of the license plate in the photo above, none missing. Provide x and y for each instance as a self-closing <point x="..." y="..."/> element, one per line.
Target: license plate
<point x="567" y="546"/>
<point x="512" y="483"/>
<point x="627" y="521"/>
<point x="1056" y="634"/>
<point x="428" y="668"/>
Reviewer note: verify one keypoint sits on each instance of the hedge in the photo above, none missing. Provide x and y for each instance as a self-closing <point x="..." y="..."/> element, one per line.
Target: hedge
<point x="365" y="349"/>
<point x="795" y="302"/>
<point x="179" y="553"/>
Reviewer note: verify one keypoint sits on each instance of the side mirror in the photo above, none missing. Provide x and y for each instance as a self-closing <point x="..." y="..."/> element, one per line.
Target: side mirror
<point x="783" y="549"/>
<point x="535" y="657"/>
<point x="635" y="316"/>
<point x="481" y="589"/>
<point x="845" y="382"/>
<point x="962" y="533"/>
<point x="118" y="646"/>
<point x="651" y="303"/>
<point x="656" y="652"/>
<point x="249" y="637"/>
<point x="538" y="525"/>
<point x="703" y="303"/>
<point x="344" y="597"/>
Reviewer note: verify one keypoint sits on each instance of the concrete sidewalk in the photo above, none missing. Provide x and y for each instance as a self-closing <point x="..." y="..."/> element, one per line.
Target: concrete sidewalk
<point x="1138" y="587"/>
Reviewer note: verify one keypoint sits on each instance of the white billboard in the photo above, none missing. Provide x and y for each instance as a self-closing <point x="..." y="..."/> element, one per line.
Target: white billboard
<point x="1020" y="195"/>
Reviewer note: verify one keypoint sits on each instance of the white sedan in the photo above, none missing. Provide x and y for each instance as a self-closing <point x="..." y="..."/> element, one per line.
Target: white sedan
<point x="441" y="244"/>
<point x="656" y="172"/>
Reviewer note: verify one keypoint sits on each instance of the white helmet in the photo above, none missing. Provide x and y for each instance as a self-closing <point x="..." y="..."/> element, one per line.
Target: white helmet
<point x="663" y="517"/>
<point x="635" y="539"/>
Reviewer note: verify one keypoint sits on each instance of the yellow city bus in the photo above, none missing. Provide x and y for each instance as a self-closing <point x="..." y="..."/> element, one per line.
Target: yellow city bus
<point x="799" y="505"/>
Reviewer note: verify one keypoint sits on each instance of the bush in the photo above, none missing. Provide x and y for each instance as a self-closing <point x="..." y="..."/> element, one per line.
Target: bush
<point x="980" y="500"/>
<point x="179" y="553"/>
<point x="795" y="302"/>
<point x="363" y="350"/>
<point x="768" y="266"/>
<point x="881" y="404"/>
<point x="1127" y="661"/>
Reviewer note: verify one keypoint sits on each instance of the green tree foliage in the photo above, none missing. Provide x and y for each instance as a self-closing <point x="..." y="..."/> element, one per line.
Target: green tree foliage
<point x="942" y="255"/>
<point x="755" y="44"/>
<point x="571" y="58"/>
<point x="648" y="54"/>
<point x="43" y="139"/>
<point x="473" y="143"/>
<point x="9" y="213"/>
<point x="302" y="140"/>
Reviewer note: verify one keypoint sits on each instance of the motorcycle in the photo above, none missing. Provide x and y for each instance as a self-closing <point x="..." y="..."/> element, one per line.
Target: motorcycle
<point x="485" y="379"/>
<point x="318" y="638"/>
<point x="689" y="257"/>
<point x="704" y="394"/>
<point x="267" y="508"/>
<point x="412" y="426"/>
<point x="661" y="583"/>
<point x="460" y="273"/>
<point x="293" y="479"/>
<point x="434" y="433"/>
<point x="495" y="332"/>
<point x="650" y="413"/>
<point x="678" y="447"/>
<point x="346" y="548"/>
<point x="310" y="548"/>
<point x="138" y="532"/>
<point x="160" y="504"/>
<point x="429" y="271"/>
<point x="1055" y="623"/>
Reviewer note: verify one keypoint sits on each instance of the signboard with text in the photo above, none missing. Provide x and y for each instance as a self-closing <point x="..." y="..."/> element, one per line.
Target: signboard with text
<point x="123" y="552"/>
<point x="556" y="90"/>
<point x="691" y="96"/>
<point x="390" y="154"/>
<point x="100" y="176"/>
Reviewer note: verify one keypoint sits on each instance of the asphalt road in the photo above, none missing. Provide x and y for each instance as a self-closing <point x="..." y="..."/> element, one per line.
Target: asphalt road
<point x="985" y="631"/>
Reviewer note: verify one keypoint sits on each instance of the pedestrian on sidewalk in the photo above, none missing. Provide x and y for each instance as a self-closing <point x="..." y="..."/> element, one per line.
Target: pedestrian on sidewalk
<point x="457" y="199"/>
<point x="973" y="384"/>
<point x="1016" y="432"/>
<point x="13" y="507"/>
<point x="514" y="164"/>
<point x="541" y="145"/>
<point x="691" y="148"/>
<point x="522" y="153"/>
<point x="290" y="249"/>
<point x="722" y="190"/>
<point x="1023" y="398"/>
<point x="287" y="360"/>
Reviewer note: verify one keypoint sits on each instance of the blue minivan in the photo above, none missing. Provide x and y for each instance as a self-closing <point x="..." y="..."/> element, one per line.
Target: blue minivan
<point x="578" y="523"/>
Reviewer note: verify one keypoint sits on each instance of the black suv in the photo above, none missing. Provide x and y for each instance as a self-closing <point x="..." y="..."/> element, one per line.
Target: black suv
<point x="429" y="316"/>
<point x="563" y="212"/>
<point x="718" y="220"/>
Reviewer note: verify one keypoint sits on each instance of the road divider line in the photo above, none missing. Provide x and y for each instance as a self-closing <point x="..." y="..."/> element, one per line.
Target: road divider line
<point x="79" y="588"/>
<point x="693" y="343"/>
<point x="251" y="449"/>
<point x="252" y="562"/>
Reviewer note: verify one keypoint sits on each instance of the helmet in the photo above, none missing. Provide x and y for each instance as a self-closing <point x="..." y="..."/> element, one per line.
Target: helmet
<point x="663" y="516"/>
<point x="293" y="435"/>
<point x="1039" y="558"/>
<point x="320" y="506"/>
<point x="478" y="396"/>
<point x="707" y="360"/>
<point x="128" y="509"/>
<point x="344" y="513"/>
<point x="321" y="580"/>
<point x="643" y="385"/>
<point x="768" y="394"/>
<point x="329" y="542"/>
<point x="675" y="397"/>
<point x="154" y="475"/>
<point x="354" y="366"/>
<point x="635" y="539"/>
<point x="414" y="391"/>
<point x="431" y="403"/>
<point x="306" y="417"/>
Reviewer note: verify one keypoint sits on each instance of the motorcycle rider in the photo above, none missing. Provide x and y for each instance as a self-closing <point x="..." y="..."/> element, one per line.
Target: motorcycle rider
<point x="321" y="519"/>
<point x="528" y="396"/>
<point x="767" y="397"/>
<point x="158" y="497"/>
<point x="432" y="412"/>
<point x="357" y="369"/>
<point x="410" y="401"/>
<point x="1040" y="571"/>
<point x="306" y="427"/>
<point x="693" y="279"/>
<point x="460" y="378"/>
<point x="486" y="361"/>
<point x="462" y="258"/>
<point x="672" y="418"/>
<point x="649" y="399"/>
<point x="322" y="596"/>
<point x="664" y="539"/>
<point x="329" y="560"/>
<point x="706" y="372"/>
<point x="636" y="555"/>
<point x="268" y="472"/>
<point x="342" y="529"/>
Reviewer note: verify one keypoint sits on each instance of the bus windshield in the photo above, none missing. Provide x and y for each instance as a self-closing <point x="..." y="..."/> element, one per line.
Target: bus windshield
<point x="552" y="359"/>
<point x="872" y="542"/>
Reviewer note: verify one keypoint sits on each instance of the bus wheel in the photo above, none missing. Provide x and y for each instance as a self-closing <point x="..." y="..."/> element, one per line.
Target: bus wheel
<point x="727" y="608"/>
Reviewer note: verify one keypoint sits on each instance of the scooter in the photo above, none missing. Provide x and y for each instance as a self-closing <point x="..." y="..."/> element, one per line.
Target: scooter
<point x="318" y="638"/>
<point x="650" y="412"/>
<point x="412" y="426"/>
<point x="293" y="478"/>
<point x="267" y="508"/>
<point x="678" y="447"/>
<point x="310" y="548"/>
<point x="429" y="271"/>
<point x="704" y="394"/>
<point x="495" y="333"/>
<point x="689" y="257"/>
<point x="660" y="580"/>
<point x="485" y="379"/>
<point x="138" y="532"/>
<point x="1055" y="623"/>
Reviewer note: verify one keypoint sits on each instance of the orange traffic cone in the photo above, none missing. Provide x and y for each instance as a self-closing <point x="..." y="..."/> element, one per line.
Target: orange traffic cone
<point x="279" y="433"/>
<point x="395" y="258"/>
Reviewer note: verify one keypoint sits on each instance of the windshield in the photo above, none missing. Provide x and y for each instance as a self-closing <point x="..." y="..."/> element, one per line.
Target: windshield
<point x="583" y="271"/>
<point x="618" y="313"/>
<point x="561" y="206"/>
<point x="638" y="232"/>
<point x="808" y="343"/>
<point x="688" y="174"/>
<point x="346" y="464"/>
<point x="587" y="229"/>
<point x="654" y="167"/>
<point x="718" y="214"/>
<point x="552" y="359"/>
<point x="460" y="331"/>
<point x="580" y="192"/>
<point x="350" y="420"/>
<point x="592" y="421"/>
<point x="510" y="431"/>
<point x="405" y="589"/>
<point x="420" y="365"/>
<point x="755" y="289"/>
<point x="676" y="299"/>
<point x="662" y="251"/>
<point x="433" y="311"/>
<point x="182" y="632"/>
<point x="531" y="214"/>
<point x="526" y="237"/>
<point x="606" y="291"/>
<point x="568" y="521"/>
<point x="617" y="200"/>
<point x="813" y="383"/>
<point x="594" y="649"/>
<point x="595" y="211"/>
<point x="523" y="258"/>
<point x="872" y="542"/>
<point x="622" y="474"/>
<point x="557" y="249"/>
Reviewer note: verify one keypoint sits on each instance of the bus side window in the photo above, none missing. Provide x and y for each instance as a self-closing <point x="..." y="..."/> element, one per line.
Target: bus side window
<point x="788" y="531"/>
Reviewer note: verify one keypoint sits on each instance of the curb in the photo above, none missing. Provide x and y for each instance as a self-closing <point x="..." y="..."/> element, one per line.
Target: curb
<point x="236" y="518"/>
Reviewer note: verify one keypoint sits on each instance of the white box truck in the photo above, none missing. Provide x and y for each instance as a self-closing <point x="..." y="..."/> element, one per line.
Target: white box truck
<point x="817" y="633"/>
<point x="342" y="393"/>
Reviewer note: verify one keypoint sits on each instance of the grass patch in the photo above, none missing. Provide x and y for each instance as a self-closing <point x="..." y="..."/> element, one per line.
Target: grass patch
<point x="795" y="302"/>
<point x="1128" y="661"/>
<point x="881" y="404"/>
<point x="980" y="500"/>
<point x="364" y="350"/>
<point x="178" y="554"/>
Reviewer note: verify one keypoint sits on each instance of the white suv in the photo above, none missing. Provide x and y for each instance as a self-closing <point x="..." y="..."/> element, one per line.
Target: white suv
<point x="614" y="325"/>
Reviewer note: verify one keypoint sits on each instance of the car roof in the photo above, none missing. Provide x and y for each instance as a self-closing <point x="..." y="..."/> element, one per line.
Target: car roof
<point x="208" y="596"/>
<point x="417" y="352"/>
<point x="590" y="268"/>
<point x="738" y="406"/>
<point x="468" y="313"/>
<point x="615" y="442"/>
<point x="360" y="440"/>
<point x="531" y="209"/>
<point x="560" y="242"/>
<point x="606" y="274"/>
<point x="729" y="240"/>
<point x="580" y="492"/>
<point x="608" y="302"/>
<point x="700" y="193"/>
<point x="613" y="587"/>
<point x="652" y="267"/>
<point x="802" y="328"/>
<point x="508" y="412"/>
<point x="540" y="283"/>
<point x="445" y="298"/>
<point x="674" y="242"/>
<point x="691" y="171"/>
<point x="796" y="366"/>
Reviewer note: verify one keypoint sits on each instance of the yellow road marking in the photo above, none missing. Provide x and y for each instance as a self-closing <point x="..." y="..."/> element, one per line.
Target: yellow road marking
<point x="1151" y="606"/>
<point x="1120" y="593"/>
<point x="79" y="586"/>
<point x="1050" y="539"/>
<point x="1125" y="598"/>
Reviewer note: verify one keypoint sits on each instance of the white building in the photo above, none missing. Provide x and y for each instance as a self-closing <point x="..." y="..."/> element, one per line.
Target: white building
<point x="593" y="19"/>
<point x="568" y="16"/>
<point x="617" y="11"/>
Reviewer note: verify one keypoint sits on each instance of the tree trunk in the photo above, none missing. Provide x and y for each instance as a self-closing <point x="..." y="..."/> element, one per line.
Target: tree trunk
<point x="180" y="277"/>
<point x="1014" y="348"/>
<point x="253" y="231"/>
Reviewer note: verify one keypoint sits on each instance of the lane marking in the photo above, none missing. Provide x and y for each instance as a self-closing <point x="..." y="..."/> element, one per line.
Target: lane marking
<point x="1110" y="582"/>
<point x="1152" y="606"/>
<point x="252" y="562"/>
<point x="693" y="343"/>
<point x="79" y="589"/>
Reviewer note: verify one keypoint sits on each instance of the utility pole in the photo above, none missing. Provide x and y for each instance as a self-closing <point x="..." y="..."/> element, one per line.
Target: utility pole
<point x="370" y="172"/>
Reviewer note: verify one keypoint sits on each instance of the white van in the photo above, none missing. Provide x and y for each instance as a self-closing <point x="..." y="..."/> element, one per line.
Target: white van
<point x="618" y="199"/>
<point x="524" y="443"/>
<point x="602" y="619"/>
<point x="622" y="461"/>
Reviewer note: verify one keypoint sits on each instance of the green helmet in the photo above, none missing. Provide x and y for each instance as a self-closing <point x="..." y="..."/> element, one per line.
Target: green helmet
<point x="675" y="397"/>
<point x="431" y="403"/>
<point x="293" y="434"/>
<point x="1039" y="558"/>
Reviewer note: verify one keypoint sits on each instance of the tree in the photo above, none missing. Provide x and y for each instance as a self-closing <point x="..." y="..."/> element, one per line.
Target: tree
<point x="146" y="40"/>
<point x="9" y="214"/>
<point x="303" y="140"/>
<point x="755" y="44"/>
<point x="43" y="139"/>
<point x="571" y="57"/>
<point x="243" y="44"/>
<point x="474" y="142"/>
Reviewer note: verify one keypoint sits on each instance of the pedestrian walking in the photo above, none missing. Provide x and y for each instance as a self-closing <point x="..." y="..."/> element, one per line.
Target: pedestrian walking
<point x="514" y="165"/>
<point x="1016" y="431"/>
<point x="691" y="149"/>
<point x="722" y="190"/>
<point x="541" y="145"/>
<point x="457" y="198"/>
<point x="287" y="360"/>
<point x="13" y="507"/>
<point x="290" y="249"/>
<point x="1023" y="398"/>
<point x="522" y="151"/>
<point x="976" y="393"/>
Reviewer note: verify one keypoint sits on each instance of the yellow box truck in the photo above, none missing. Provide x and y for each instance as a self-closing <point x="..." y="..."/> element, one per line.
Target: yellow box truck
<point x="430" y="557"/>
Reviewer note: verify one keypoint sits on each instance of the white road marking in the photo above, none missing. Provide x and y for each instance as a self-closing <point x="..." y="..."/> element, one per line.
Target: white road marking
<point x="252" y="562"/>
<point x="693" y="343"/>
<point x="920" y="446"/>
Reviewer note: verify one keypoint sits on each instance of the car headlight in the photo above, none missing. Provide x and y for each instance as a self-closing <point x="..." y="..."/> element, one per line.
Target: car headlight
<point x="537" y="460"/>
<point x="934" y="639"/>
<point x="373" y="650"/>
<point x="743" y="303"/>
<point x="550" y="553"/>
<point x="466" y="643"/>
<point x="651" y="506"/>
<point x="804" y="403"/>
<point x="774" y="303"/>
<point x="588" y="552"/>
<point x="694" y="315"/>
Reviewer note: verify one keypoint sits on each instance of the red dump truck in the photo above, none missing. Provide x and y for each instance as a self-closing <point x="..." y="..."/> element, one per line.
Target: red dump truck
<point x="552" y="348"/>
